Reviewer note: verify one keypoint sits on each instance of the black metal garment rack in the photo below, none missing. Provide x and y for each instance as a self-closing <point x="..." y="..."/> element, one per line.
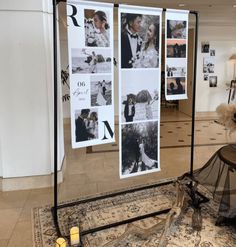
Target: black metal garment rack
<point x="56" y="206"/>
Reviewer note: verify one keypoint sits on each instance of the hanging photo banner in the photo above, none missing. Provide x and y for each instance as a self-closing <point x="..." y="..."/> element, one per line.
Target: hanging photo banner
<point x="139" y="89"/>
<point x="90" y="48"/>
<point x="176" y="50"/>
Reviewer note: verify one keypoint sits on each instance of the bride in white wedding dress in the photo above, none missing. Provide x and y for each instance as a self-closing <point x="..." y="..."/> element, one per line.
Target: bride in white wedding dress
<point x="100" y="99"/>
<point x="149" y="55"/>
<point x="149" y="163"/>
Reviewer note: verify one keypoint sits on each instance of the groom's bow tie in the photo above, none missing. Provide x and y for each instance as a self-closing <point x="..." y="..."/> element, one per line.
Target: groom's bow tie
<point x="133" y="36"/>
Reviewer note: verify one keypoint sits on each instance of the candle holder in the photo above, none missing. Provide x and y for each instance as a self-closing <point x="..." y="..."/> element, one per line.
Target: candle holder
<point x="60" y="242"/>
<point x="75" y="237"/>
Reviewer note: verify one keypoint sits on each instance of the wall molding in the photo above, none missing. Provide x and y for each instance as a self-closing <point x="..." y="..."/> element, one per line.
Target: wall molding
<point x="32" y="182"/>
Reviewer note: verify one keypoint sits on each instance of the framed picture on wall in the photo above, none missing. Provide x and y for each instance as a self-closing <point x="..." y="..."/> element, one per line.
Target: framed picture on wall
<point x="212" y="81"/>
<point x="208" y="65"/>
<point x="205" y="47"/>
<point x="212" y="53"/>
<point x="206" y="77"/>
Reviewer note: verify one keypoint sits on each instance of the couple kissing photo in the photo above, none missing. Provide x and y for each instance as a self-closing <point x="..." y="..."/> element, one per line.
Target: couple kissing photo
<point x="86" y="125"/>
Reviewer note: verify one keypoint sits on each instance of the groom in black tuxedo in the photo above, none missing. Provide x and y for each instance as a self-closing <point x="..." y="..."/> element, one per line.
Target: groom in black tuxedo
<point x="131" y="42"/>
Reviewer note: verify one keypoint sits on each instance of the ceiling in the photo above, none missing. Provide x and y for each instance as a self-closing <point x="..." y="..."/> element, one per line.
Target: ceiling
<point x="211" y="12"/>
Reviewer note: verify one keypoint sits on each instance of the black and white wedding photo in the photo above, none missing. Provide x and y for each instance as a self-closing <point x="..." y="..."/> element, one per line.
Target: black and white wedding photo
<point x="176" y="48"/>
<point x="208" y="65"/>
<point x="176" y="29"/>
<point x="97" y="28"/>
<point x="205" y="46"/>
<point x="140" y="101"/>
<point x="140" y="36"/>
<point x="139" y="148"/>
<point x="212" y="81"/>
<point x="101" y="90"/>
<point x="206" y="77"/>
<point x="212" y="53"/>
<point x="176" y="67"/>
<point x="86" y="124"/>
<point x="91" y="61"/>
<point x="176" y="85"/>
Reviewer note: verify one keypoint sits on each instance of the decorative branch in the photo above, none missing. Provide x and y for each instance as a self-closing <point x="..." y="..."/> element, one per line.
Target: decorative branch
<point x="64" y="81"/>
<point x="173" y="214"/>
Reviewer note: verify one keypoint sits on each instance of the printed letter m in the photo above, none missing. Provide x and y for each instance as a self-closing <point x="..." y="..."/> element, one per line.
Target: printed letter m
<point x="108" y="127"/>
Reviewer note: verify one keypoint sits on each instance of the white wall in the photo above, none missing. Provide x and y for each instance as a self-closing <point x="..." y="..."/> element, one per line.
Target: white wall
<point x="223" y="40"/>
<point x="26" y="89"/>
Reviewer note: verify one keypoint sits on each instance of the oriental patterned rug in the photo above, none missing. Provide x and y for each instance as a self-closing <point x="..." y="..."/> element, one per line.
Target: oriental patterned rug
<point x="142" y="233"/>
